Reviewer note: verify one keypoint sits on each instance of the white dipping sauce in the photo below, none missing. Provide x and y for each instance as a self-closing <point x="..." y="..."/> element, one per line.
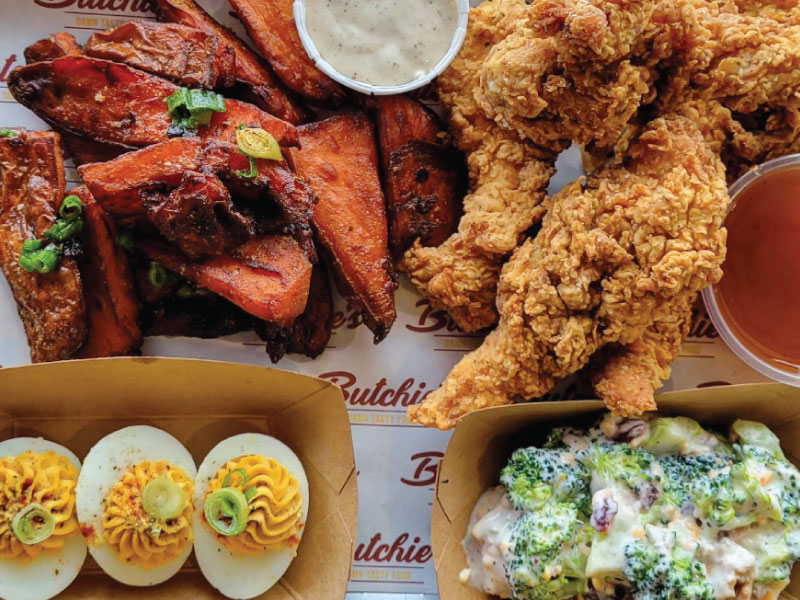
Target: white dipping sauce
<point x="382" y="42"/>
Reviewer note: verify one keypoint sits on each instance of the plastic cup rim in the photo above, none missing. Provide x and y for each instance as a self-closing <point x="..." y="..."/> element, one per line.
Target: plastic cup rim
<point x="709" y="296"/>
<point x="299" y="11"/>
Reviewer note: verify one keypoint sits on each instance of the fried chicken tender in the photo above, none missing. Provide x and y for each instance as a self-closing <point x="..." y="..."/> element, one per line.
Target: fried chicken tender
<point x="574" y="70"/>
<point x="735" y="71"/>
<point x="507" y="182"/>
<point x="613" y="258"/>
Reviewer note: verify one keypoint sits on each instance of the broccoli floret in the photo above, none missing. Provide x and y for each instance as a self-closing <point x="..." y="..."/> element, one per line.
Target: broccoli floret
<point x="547" y="562"/>
<point x="619" y="462"/>
<point x="655" y="575"/>
<point x="536" y="475"/>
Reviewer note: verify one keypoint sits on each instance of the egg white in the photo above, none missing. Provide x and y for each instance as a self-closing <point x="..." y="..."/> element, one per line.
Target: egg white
<point x="51" y="573"/>
<point x="103" y="467"/>
<point x="242" y="576"/>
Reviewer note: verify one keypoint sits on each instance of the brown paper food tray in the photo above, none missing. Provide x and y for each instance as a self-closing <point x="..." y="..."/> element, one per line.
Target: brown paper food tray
<point x="483" y="441"/>
<point x="201" y="403"/>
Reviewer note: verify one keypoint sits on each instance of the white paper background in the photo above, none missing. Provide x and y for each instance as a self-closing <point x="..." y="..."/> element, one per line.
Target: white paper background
<point x="396" y="461"/>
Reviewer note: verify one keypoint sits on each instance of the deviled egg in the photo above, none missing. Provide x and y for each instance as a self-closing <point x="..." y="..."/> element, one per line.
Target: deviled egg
<point x="41" y="547"/>
<point x="135" y="506"/>
<point x="251" y="502"/>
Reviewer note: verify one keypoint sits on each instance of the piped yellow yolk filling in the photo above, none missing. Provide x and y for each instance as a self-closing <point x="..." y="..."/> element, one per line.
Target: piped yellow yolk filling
<point x="137" y="537"/>
<point x="275" y="506"/>
<point x="48" y="479"/>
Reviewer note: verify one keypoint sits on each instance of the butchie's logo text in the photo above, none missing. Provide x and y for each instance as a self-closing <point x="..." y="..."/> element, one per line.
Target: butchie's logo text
<point x="409" y="392"/>
<point x="142" y="6"/>
<point x="399" y="551"/>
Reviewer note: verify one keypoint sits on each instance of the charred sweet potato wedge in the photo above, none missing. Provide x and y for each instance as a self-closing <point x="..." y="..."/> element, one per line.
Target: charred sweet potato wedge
<point x="425" y="187"/>
<point x="271" y="26"/>
<point x="84" y="150"/>
<point x="52" y="47"/>
<point x="119" y="184"/>
<point x="311" y="331"/>
<point x="198" y="216"/>
<point x="32" y="184"/>
<point x="267" y="277"/>
<point x="186" y="55"/>
<point x="424" y="181"/>
<point x="261" y="86"/>
<point x="340" y="162"/>
<point x="111" y="305"/>
<point x="114" y="103"/>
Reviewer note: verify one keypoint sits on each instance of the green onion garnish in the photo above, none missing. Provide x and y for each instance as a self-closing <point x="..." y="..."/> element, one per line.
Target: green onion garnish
<point x="71" y="208"/>
<point x="250" y="492"/>
<point x="125" y="240"/>
<point x="191" y="109"/>
<point x="157" y="275"/>
<point x="40" y="261"/>
<point x="226" y="511"/>
<point x="62" y="230"/>
<point x="29" y="246"/>
<point x="251" y="173"/>
<point x="163" y="499"/>
<point x="7" y="133"/>
<point x="33" y="524"/>
<point x="227" y="481"/>
<point x="255" y="142"/>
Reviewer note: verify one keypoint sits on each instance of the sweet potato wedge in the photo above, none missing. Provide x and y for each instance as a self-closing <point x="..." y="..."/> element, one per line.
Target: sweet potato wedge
<point x="111" y="304"/>
<point x="32" y="184"/>
<point x="339" y="160"/>
<point x="267" y="277"/>
<point x="425" y="188"/>
<point x="114" y="103"/>
<point x="270" y="24"/>
<point x="311" y="331"/>
<point x="52" y="47"/>
<point x="261" y="85"/>
<point x="84" y="150"/>
<point x="424" y="181"/>
<point x="119" y="184"/>
<point x="186" y="55"/>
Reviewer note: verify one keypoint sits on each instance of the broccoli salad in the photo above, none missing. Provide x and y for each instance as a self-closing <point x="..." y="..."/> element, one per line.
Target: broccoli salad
<point x="658" y="510"/>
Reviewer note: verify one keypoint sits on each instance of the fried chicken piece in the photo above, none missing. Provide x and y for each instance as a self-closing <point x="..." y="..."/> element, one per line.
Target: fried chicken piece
<point x="507" y="182"/>
<point x="736" y="74"/>
<point x="625" y="377"/>
<point x="610" y="256"/>
<point x="573" y="70"/>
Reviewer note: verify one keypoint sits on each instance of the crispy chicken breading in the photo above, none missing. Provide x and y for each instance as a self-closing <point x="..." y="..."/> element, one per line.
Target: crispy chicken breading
<point x="507" y="182"/>
<point x="612" y="258"/>
<point x="574" y="70"/>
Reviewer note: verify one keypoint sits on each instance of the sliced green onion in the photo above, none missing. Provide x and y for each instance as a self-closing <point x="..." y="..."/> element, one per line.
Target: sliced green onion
<point x="258" y="143"/>
<point x="176" y="99"/>
<point x="29" y="246"/>
<point x="71" y="208"/>
<point x="191" y="109"/>
<point x="7" y="133"/>
<point x="41" y="261"/>
<point x="226" y="511"/>
<point x="63" y="230"/>
<point x="227" y="481"/>
<point x="163" y="499"/>
<point x="251" y="173"/>
<point x="33" y="524"/>
<point x="156" y="274"/>
<point x="125" y="240"/>
<point x="250" y="492"/>
<point x="197" y="100"/>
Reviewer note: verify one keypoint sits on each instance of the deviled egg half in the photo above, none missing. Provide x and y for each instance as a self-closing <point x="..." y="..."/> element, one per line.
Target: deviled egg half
<point x="135" y="504"/>
<point x="41" y="547"/>
<point x="251" y="502"/>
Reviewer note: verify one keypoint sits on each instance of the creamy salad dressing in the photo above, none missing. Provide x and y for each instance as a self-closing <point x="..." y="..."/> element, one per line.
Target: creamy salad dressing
<point x="382" y="42"/>
<point x="733" y="557"/>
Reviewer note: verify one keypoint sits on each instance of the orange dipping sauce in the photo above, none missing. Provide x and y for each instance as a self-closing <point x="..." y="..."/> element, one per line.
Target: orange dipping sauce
<point x="759" y="295"/>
